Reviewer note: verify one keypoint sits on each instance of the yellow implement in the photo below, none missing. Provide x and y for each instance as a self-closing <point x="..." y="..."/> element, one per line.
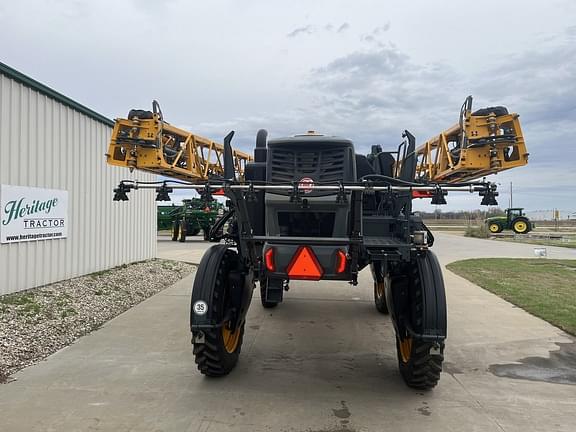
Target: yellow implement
<point x="484" y="142"/>
<point x="146" y="142"/>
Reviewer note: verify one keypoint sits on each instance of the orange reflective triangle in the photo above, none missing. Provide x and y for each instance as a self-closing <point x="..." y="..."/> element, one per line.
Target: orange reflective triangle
<point x="304" y="265"/>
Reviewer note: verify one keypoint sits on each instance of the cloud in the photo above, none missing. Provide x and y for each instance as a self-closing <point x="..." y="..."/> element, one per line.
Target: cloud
<point x="385" y="90"/>
<point x="375" y="93"/>
<point x="374" y="37"/>
<point x="542" y="82"/>
<point x="381" y="29"/>
<point x="311" y="29"/>
<point x="377" y="31"/>
<point x="362" y="64"/>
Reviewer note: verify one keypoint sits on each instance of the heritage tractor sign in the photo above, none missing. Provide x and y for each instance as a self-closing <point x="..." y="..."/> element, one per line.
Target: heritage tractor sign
<point x="29" y="214"/>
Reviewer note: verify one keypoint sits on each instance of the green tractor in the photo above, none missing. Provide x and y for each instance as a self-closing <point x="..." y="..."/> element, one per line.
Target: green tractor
<point x="515" y="219"/>
<point x="189" y="218"/>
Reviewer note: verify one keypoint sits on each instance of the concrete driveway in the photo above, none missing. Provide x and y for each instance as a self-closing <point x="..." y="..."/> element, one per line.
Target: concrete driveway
<point x="322" y="361"/>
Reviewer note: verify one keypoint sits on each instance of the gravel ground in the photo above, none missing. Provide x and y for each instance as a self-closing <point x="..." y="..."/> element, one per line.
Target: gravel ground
<point x="38" y="322"/>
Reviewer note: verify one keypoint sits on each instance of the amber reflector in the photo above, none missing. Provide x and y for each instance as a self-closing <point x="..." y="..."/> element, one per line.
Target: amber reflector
<point x="304" y="265"/>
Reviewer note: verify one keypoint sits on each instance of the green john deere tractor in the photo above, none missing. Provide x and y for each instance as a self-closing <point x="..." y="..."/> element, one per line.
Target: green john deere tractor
<point x="515" y="219"/>
<point x="189" y="218"/>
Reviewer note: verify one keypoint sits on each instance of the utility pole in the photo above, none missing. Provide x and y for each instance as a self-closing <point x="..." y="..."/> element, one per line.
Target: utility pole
<point x="511" y="205"/>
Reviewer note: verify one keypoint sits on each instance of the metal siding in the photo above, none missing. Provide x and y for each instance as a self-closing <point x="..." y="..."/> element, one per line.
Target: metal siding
<point x="44" y="143"/>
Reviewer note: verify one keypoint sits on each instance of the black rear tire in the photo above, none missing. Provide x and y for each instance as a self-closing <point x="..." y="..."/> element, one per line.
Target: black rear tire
<point x="422" y="365"/>
<point x="175" y="230"/>
<point x="218" y="354"/>
<point x="380" y="296"/>
<point x="497" y="110"/>
<point x="182" y="231"/>
<point x="419" y="361"/>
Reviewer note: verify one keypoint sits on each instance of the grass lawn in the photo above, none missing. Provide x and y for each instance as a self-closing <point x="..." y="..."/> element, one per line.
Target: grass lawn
<point x="545" y="288"/>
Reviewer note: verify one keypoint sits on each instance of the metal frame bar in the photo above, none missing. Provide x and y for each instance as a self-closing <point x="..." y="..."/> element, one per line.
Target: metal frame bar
<point x="285" y="187"/>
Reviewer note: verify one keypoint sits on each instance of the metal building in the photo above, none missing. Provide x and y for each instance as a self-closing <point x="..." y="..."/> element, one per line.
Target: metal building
<point x="50" y="142"/>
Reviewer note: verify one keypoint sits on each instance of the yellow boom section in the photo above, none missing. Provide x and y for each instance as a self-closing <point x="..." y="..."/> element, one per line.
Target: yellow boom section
<point x="144" y="141"/>
<point x="485" y="142"/>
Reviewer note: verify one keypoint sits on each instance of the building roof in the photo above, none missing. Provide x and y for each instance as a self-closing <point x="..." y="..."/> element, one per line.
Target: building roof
<point x="53" y="94"/>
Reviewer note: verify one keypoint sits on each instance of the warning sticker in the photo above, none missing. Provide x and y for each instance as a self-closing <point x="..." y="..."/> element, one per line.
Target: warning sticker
<point x="306" y="185"/>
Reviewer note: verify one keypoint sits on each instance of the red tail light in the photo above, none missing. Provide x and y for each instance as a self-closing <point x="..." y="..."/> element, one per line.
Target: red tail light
<point x="422" y="194"/>
<point x="305" y="265"/>
<point x="341" y="261"/>
<point x="269" y="260"/>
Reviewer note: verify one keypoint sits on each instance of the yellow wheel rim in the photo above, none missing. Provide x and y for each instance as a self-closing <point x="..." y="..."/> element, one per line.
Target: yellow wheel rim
<point x="493" y="228"/>
<point x="230" y="338"/>
<point x="520" y="226"/>
<point x="379" y="289"/>
<point x="406" y="349"/>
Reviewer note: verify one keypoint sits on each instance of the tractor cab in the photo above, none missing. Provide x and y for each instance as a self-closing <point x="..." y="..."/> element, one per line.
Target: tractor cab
<point x="513" y="213"/>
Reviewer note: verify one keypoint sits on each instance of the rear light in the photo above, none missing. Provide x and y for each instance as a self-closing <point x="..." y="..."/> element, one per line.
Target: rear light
<point x="219" y="192"/>
<point x="269" y="260"/>
<point x="422" y="194"/>
<point x="304" y="265"/>
<point x="341" y="261"/>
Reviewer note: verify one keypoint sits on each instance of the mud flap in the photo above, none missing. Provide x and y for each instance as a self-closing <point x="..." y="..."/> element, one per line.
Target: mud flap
<point x="274" y="290"/>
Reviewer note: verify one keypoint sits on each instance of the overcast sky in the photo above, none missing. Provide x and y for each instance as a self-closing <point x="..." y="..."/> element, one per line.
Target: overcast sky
<point x="363" y="69"/>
